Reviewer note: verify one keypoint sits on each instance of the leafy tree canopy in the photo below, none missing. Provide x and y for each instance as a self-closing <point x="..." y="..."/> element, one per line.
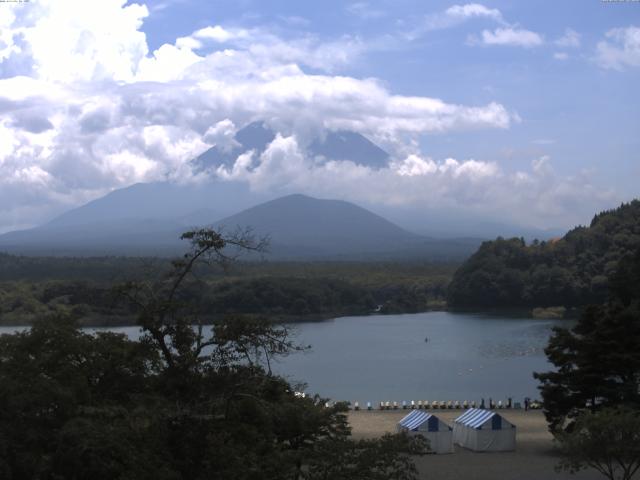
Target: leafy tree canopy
<point x="608" y="441"/>
<point x="571" y="271"/>
<point x="181" y="403"/>
<point x="597" y="361"/>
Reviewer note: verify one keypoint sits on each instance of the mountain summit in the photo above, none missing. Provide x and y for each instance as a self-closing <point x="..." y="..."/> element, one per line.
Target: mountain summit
<point x="333" y="145"/>
<point x="299" y="225"/>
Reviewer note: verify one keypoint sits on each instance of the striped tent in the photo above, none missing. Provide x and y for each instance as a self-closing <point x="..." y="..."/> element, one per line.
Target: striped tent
<point x="438" y="433"/>
<point x="484" y="431"/>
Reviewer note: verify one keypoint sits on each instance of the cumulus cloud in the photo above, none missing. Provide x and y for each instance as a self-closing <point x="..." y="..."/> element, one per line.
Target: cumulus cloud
<point x="620" y="50"/>
<point x="514" y="37"/>
<point x="103" y="112"/>
<point x="570" y="39"/>
<point x="507" y="34"/>
<point x="471" y="10"/>
<point x="561" y="56"/>
<point x="72" y="40"/>
<point x="536" y="196"/>
<point x="454" y="16"/>
<point x="222" y="135"/>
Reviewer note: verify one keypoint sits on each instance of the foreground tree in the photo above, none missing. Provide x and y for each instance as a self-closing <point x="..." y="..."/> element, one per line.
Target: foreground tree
<point x="181" y="403"/>
<point x="608" y="441"/>
<point x="598" y="361"/>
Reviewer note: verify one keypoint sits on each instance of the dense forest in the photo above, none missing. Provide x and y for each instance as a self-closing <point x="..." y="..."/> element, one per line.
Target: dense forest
<point x="572" y="271"/>
<point x="591" y="396"/>
<point x="179" y="403"/>
<point x="31" y="287"/>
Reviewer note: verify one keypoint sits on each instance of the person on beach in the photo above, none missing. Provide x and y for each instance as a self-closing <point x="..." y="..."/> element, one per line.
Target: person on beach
<point x="526" y="404"/>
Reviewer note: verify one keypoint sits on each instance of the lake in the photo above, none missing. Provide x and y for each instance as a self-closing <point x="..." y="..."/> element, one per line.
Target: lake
<point x="385" y="357"/>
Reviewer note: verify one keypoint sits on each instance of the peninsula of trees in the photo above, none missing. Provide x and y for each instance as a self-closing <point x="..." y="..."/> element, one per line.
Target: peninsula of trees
<point x="572" y="271"/>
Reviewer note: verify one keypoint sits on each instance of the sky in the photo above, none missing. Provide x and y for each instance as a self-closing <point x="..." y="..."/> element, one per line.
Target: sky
<point x="524" y="112"/>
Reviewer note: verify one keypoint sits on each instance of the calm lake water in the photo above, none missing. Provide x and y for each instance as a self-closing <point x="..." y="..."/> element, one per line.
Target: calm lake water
<point x="385" y="357"/>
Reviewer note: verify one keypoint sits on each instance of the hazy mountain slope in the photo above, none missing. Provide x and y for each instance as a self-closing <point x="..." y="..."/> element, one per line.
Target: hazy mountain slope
<point x="325" y="224"/>
<point x="133" y="220"/>
<point x="345" y="145"/>
<point x="162" y="200"/>
<point x="300" y="228"/>
<point x="303" y="227"/>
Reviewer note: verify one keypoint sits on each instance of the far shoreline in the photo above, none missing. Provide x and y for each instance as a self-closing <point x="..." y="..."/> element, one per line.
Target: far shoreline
<point x="519" y="313"/>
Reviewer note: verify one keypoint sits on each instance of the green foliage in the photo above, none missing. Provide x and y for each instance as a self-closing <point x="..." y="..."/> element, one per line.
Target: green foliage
<point x="181" y="403"/>
<point x="98" y="269"/>
<point x="597" y="361"/>
<point x="572" y="271"/>
<point x="366" y="459"/>
<point x="288" y="296"/>
<point x="282" y="291"/>
<point x="608" y="441"/>
<point x="52" y="373"/>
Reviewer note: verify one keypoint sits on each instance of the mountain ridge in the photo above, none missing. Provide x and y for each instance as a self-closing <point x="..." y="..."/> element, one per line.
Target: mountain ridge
<point x="300" y="228"/>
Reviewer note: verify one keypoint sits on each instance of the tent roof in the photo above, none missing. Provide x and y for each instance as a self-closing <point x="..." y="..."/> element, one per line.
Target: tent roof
<point x="475" y="417"/>
<point x="415" y="419"/>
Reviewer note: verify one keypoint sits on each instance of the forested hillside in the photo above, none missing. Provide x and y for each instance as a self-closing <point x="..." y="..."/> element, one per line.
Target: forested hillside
<point x="571" y="271"/>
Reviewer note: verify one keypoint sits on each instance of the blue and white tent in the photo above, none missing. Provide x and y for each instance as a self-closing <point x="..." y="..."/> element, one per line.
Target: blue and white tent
<point x="484" y="431"/>
<point x="438" y="433"/>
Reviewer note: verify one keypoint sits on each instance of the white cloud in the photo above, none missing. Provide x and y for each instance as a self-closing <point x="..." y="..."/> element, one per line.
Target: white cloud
<point x="222" y="135"/>
<point x="570" y="39"/>
<point x="454" y="16"/>
<point x="220" y="34"/>
<point x="76" y="40"/>
<point x="620" y="50"/>
<point x="365" y="10"/>
<point x="561" y="55"/>
<point x="509" y="37"/>
<point x="102" y="112"/>
<point x="537" y="196"/>
<point x="471" y="10"/>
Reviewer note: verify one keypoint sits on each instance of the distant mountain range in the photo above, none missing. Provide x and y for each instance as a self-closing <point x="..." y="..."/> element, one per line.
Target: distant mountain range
<point x="146" y="219"/>
<point x="299" y="227"/>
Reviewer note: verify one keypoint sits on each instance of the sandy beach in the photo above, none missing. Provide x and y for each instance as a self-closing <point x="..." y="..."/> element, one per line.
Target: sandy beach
<point x="534" y="458"/>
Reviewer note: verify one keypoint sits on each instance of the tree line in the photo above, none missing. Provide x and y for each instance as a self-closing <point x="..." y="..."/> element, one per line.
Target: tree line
<point x="572" y="271"/>
<point x="287" y="293"/>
